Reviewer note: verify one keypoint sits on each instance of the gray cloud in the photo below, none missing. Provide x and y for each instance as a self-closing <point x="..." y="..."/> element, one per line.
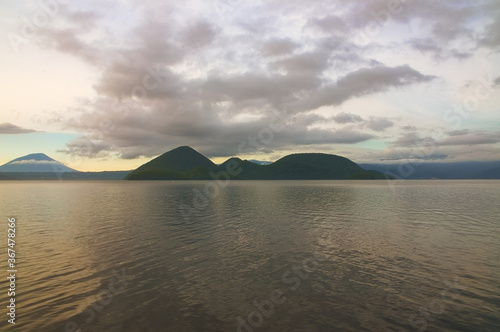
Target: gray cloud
<point x="9" y="128"/>
<point x="374" y="123"/>
<point x="458" y="132"/>
<point x="411" y="139"/>
<point x="212" y="80"/>
<point x="362" y="82"/>
<point x="449" y="153"/>
<point x="347" y="118"/>
<point x="379" y="124"/>
<point x="87" y="147"/>
<point x="329" y="24"/>
<point x="135" y="135"/>
<point x="411" y="156"/>
<point x="199" y="34"/>
<point x="496" y="82"/>
<point x="462" y="137"/>
<point x="409" y="128"/>
<point x="369" y="79"/>
<point x="491" y="37"/>
<point x="68" y="36"/>
<point x="312" y="63"/>
<point x="466" y="137"/>
<point x="448" y="28"/>
<point x="68" y="41"/>
<point x="437" y="49"/>
<point x="275" y="89"/>
<point x="445" y="19"/>
<point x="278" y="46"/>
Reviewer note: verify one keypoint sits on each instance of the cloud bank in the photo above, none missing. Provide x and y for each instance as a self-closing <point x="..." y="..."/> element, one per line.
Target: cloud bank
<point x="211" y="75"/>
<point x="9" y="128"/>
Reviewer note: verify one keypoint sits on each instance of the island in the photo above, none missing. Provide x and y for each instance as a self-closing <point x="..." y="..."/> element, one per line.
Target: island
<point x="185" y="163"/>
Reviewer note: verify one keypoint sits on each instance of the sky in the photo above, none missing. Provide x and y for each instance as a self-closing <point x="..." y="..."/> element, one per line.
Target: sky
<point x="109" y="85"/>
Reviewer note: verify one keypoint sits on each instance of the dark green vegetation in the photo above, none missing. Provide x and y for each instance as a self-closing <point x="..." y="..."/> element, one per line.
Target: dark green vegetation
<point x="185" y="163"/>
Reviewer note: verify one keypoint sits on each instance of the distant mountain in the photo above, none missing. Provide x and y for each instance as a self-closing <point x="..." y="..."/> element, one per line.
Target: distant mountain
<point x="185" y="163"/>
<point x="35" y="162"/>
<point x="259" y="162"/>
<point x="247" y="170"/>
<point x="493" y="173"/>
<point x="458" y="170"/>
<point x="315" y="166"/>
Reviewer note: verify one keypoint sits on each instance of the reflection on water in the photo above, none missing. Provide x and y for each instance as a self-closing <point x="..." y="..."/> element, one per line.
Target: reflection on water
<point x="341" y="255"/>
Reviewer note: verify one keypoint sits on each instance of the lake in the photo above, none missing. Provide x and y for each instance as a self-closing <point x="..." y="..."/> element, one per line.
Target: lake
<point x="253" y="255"/>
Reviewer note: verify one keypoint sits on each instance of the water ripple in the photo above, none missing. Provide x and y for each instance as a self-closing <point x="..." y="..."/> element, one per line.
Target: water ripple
<point x="380" y="256"/>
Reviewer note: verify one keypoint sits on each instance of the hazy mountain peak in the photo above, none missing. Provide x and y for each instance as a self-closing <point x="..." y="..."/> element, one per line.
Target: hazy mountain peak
<point x="35" y="162"/>
<point x="33" y="156"/>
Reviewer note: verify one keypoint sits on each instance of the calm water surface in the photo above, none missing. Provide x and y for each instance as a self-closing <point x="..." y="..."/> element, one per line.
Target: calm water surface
<point x="259" y="256"/>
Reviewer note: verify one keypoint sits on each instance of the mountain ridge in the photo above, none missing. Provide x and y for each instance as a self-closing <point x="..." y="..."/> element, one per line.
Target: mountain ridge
<point x="185" y="163"/>
<point x="452" y="171"/>
<point x="252" y="169"/>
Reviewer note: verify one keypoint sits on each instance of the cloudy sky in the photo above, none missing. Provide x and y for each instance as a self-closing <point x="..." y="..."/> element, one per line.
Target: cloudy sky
<point x="103" y="85"/>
